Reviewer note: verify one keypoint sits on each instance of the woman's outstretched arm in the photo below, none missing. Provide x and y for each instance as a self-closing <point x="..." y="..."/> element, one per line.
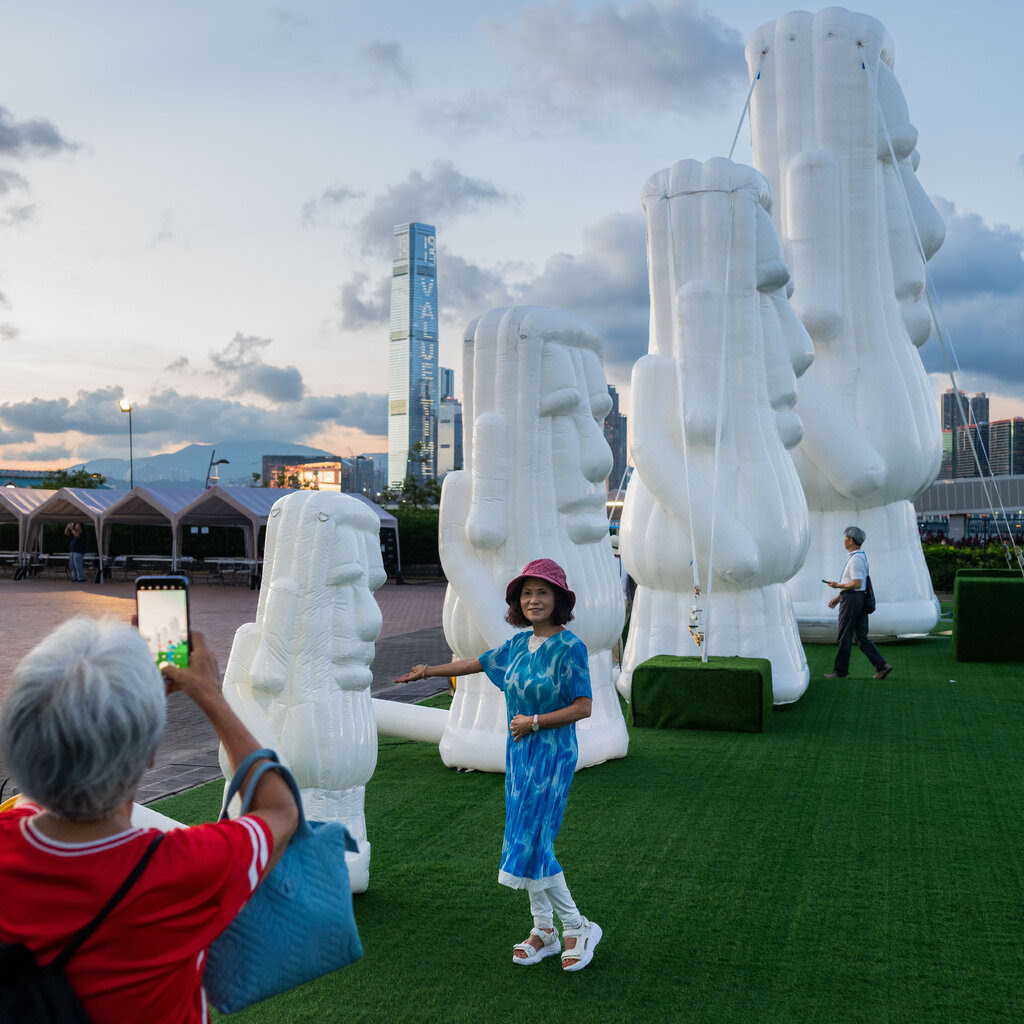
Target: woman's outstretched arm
<point x="466" y="667"/>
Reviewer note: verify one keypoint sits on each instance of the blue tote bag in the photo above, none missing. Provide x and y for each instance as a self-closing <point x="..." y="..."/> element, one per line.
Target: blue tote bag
<point x="298" y="925"/>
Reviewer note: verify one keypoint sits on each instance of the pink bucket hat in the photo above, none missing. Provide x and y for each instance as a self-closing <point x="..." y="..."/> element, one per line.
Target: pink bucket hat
<point x="541" y="569"/>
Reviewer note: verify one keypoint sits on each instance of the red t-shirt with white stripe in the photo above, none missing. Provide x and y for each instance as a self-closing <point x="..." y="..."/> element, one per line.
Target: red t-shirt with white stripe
<point x="145" y="962"/>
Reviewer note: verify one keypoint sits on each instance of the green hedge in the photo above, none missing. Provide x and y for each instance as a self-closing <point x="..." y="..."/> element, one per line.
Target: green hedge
<point x="417" y="535"/>
<point x="945" y="561"/>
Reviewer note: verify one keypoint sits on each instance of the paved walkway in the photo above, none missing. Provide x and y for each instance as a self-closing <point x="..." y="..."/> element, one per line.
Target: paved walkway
<point x="30" y="609"/>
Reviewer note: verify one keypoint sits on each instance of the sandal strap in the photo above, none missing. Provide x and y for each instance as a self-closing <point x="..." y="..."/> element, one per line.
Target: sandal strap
<point x="547" y="936"/>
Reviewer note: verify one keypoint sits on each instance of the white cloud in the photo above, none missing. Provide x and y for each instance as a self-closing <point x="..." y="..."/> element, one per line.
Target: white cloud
<point x="669" y="56"/>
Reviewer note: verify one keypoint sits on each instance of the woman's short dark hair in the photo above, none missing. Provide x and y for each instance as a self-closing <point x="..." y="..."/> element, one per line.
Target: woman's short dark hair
<point x="561" y="616"/>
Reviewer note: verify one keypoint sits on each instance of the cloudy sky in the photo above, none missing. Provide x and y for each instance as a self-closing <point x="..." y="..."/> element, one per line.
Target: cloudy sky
<point x="196" y="199"/>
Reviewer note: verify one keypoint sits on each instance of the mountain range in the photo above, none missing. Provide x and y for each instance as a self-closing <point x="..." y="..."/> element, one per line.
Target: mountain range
<point x="188" y="467"/>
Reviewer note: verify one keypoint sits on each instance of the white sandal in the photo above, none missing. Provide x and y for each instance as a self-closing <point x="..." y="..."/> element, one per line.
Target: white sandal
<point x="587" y="936"/>
<point x="533" y="955"/>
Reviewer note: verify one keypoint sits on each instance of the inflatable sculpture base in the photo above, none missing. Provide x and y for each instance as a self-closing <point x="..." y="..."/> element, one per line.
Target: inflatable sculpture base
<point x="906" y="603"/>
<point x="299" y="676"/>
<point x="533" y="487"/>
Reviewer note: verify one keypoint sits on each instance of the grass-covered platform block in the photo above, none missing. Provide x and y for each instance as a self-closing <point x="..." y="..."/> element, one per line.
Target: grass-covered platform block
<point x="671" y="692"/>
<point x="997" y="574"/>
<point x="987" y="615"/>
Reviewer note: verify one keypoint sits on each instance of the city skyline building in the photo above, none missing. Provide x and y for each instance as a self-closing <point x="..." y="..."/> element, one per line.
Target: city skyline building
<point x="449" y="436"/>
<point x="413" y="378"/>
<point x="958" y="458"/>
<point x="975" y="408"/>
<point x="447" y="383"/>
<point x="615" y="434"/>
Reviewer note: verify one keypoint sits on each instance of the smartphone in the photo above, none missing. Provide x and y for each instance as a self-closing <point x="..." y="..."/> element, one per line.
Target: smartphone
<point x="161" y="605"/>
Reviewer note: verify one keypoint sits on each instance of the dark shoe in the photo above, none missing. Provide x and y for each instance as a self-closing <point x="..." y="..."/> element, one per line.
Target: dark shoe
<point x="835" y="675"/>
<point x="882" y="672"/>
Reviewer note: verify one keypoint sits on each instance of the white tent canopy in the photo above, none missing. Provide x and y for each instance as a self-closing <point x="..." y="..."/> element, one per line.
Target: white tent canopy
<point x="247" y="508"/>
<point x="17" y="505"/>
<point x="66" y="504"/>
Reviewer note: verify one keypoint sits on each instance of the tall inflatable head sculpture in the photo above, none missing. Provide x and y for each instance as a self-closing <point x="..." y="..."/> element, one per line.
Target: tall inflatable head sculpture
<point x="714" y="497"/>
<point x="832" y="134"/>
<point x="533" y="486"/>
<point x="299" y="676"/>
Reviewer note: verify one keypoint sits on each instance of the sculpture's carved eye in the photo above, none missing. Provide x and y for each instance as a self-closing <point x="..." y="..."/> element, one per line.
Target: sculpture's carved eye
<point x="323" y="517"/>
<point x="275" y="512"/>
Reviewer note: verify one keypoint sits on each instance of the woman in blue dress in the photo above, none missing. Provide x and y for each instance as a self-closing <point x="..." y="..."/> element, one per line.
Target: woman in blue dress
<point x="545" y="677"/>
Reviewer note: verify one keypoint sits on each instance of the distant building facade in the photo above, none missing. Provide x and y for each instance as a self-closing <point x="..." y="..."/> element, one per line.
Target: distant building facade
<point x="955" y="405"/>
<point x="324" y="473"/>
<point x="615" y="435"/>
<point x="979" y="448"/>
<point x="413" y="384"/>
<point x="449" y="437"/>
<point x="447" y="381"/>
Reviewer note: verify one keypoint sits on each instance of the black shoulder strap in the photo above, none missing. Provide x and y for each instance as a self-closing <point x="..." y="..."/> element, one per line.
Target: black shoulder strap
<point x="59" y="962"/>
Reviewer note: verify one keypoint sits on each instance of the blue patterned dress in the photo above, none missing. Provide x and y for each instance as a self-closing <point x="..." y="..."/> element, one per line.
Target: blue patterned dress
<point x="540" y="766"/>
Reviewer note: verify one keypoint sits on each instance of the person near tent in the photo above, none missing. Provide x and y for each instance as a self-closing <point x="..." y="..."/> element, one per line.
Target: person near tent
<point x="853" y="619"/>
<point x="545" y="676"/>
<point x="76" y="552"/>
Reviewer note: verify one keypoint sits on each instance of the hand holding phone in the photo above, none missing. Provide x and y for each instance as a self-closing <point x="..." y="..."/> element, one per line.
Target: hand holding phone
<point x="162" y="610"/>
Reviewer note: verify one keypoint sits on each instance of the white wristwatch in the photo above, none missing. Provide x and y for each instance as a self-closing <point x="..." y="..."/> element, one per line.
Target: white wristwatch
<point x="536" y="724"/>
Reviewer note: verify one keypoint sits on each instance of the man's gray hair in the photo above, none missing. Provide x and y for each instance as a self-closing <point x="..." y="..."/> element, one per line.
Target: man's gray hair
<point x="856" y="534"/>
<point x="83" y="718"/>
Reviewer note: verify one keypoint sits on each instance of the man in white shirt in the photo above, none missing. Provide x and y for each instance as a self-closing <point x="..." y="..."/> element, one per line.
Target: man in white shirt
<point x="853" y="620"/>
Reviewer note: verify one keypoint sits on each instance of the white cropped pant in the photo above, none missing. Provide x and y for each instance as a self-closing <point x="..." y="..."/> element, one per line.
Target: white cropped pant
<point x="555" y="898"/>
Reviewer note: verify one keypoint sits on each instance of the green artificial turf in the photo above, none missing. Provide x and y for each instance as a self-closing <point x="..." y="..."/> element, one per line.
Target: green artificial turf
<point x="863" y="860"/>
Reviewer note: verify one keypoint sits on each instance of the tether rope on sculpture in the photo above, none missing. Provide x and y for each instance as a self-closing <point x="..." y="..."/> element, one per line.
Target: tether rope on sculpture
<point x="719" y="424"/>
<point x="746" y="105"/>
<point x="695" y="623"/>
<point x="948" y="351"/>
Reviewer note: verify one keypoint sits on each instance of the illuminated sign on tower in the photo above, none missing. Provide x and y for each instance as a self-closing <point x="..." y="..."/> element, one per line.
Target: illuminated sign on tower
<point x="412" y="356"/>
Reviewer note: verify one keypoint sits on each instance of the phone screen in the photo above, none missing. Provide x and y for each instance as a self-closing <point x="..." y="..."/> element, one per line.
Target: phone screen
<point x="161" y="604"/>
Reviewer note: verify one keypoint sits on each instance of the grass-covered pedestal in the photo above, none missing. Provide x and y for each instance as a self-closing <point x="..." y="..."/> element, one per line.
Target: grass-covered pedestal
<point x="671" y="692"/>
<point x="987" y="615"/>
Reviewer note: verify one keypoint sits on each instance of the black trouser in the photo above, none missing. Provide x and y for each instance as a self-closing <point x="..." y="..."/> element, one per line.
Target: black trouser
<point x="853" y="624"/>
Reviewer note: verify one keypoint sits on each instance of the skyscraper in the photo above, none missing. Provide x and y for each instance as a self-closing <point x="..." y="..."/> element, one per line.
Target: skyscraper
<point x="615" y="435"/>
<point x="956" y="405"/>
<point x="447" y="378"/>
<point x="412" y="356"/>
<point x="449" y="436"/>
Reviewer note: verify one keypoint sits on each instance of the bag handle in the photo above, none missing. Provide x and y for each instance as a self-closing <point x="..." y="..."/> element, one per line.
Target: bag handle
<point x="271" y="762"/>
<point x="61" y="959"/>
<point x="264" y="753"/>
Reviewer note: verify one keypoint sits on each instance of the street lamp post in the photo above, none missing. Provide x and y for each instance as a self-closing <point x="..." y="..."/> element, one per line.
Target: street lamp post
<point x="209" y="469"/>
<point x="125" y="405"/>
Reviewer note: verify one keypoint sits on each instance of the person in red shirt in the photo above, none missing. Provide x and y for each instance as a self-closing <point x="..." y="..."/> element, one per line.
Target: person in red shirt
<point x="80" y="726"/>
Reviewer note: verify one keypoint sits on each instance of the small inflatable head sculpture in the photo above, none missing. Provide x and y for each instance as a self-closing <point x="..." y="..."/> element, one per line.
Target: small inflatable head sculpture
<point x="533" y="486"/>
<point x="832" y="134"/>
<point x="299" y="676"/>
<point x="715" y="498"/>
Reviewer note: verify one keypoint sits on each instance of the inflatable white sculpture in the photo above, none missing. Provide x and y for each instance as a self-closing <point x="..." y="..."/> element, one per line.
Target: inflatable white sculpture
<point x="299" y="676"/>
<point x="533" y="486"/>
<point x="832" y="134"/>
<point x="714" y="496"/>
